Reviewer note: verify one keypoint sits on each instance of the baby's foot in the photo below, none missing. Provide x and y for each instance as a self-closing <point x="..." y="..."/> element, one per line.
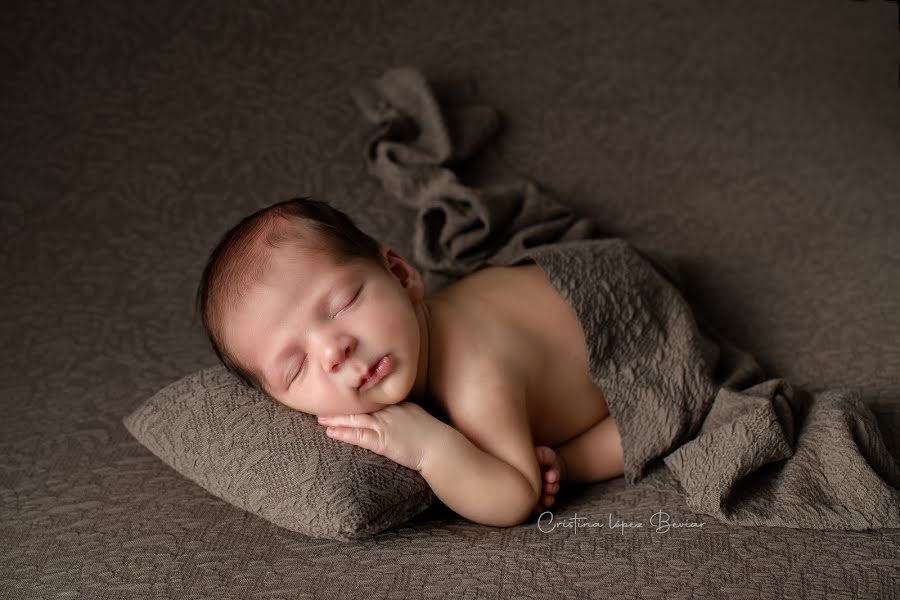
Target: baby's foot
<point x="553" y="475"/>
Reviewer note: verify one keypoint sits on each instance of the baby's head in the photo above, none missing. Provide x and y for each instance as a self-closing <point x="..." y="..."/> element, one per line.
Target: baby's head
<point x="302" y="305"/>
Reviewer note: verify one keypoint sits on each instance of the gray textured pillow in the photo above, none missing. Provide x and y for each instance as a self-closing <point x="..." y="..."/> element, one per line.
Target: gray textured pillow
<point x="277" y="463"/>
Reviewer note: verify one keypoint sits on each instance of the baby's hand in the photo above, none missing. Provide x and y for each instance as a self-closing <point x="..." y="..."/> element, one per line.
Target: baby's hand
<point x="401" y="432"/>
<point x="553" y="471"/>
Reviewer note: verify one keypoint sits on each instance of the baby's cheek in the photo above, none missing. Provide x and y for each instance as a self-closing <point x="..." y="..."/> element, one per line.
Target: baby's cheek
<point x="394" y="324"/>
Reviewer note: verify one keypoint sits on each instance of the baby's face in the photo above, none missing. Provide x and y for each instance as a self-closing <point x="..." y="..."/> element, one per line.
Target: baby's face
<point x="314" y="330"/>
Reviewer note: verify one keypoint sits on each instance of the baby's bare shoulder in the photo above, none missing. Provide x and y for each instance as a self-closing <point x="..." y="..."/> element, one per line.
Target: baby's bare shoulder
<point x="490" y="388"/>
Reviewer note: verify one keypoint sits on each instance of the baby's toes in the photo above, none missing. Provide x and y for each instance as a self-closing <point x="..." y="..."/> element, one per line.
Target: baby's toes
<point x="545" y="455"/>
<point x="550" y="487"/>
<point x="551" y="475"/>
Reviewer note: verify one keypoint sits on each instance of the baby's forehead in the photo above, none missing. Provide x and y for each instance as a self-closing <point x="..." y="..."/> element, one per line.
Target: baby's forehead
<point x="312" y="262"/>
<point x="311" y="269"/>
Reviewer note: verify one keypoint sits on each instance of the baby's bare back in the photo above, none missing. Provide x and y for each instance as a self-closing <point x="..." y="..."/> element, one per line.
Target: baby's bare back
<point x="514" y="316"/>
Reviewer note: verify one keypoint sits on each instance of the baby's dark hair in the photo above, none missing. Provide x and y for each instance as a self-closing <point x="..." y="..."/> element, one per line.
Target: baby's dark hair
<point x="242" y="257"/>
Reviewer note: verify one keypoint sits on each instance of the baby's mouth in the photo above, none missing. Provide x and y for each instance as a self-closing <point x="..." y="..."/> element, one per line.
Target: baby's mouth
<point x="378" y="371"/>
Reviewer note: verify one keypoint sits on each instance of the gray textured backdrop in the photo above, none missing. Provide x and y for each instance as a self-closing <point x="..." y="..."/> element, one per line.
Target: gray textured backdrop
<point x="757" y="144"/>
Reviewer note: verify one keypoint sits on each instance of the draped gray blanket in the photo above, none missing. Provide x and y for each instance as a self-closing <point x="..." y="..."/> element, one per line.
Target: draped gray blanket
<point x="697" y="415"/>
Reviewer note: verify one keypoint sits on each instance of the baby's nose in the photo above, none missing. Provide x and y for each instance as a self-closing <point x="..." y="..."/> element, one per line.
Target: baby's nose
<point x="344" y="347"/>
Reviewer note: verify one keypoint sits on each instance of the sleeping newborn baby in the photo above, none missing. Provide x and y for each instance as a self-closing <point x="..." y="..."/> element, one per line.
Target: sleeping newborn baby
<point x="303" y="306"/>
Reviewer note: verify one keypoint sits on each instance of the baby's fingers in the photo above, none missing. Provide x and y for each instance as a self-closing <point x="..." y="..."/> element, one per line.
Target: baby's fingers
<point x="364" y="438"/>
<point x="354" y="420"/>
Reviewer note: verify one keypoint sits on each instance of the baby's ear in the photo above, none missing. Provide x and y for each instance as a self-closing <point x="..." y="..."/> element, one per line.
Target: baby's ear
<point x="406" y="274"/>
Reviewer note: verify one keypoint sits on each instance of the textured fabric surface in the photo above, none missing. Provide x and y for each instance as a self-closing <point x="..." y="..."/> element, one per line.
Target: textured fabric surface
<point x="458" y="229"/>
<point x="764" y="455"/>
<point x="756" y="144"/>
<point x="272" y="461"/>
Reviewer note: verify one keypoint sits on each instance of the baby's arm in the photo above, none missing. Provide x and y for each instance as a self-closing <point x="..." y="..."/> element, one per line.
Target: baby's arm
<point x="489" y="474"/>
<point x="477" y="485"/>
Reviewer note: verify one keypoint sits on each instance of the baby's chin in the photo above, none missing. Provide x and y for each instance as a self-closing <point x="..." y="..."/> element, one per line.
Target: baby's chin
<point x="389" y="397"/>
<point x="376" y="405"/>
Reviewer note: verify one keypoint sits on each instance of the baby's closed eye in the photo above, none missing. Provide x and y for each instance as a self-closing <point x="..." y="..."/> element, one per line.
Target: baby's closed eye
<point x="347" y="303"/>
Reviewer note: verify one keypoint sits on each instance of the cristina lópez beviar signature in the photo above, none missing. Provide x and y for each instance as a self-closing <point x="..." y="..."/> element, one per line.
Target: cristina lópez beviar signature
<point x="660" y="522"/>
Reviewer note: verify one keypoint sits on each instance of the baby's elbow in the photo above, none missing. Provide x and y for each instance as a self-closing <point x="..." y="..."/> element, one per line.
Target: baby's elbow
<point x="519" y="508"/>
<point x="524" y="513"/>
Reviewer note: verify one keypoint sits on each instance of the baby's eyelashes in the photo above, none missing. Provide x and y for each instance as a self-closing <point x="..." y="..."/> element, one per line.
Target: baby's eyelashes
<point x="349" y="302"/>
